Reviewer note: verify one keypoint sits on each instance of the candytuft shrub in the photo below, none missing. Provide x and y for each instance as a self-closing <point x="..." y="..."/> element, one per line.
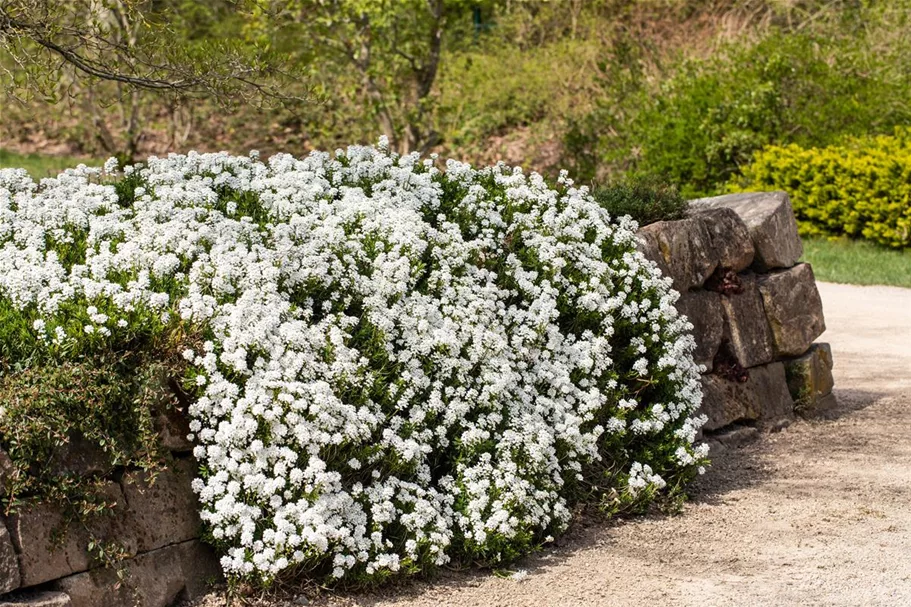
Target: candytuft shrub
<point x="861" y="188"/>
<point x="391" y="366"/>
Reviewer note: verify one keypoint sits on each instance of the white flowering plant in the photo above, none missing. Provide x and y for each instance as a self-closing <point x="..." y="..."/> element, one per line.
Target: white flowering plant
<point x="392" y="365"/>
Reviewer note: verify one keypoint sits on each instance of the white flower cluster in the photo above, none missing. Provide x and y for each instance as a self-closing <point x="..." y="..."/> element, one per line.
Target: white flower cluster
<point x="401" y="364"/>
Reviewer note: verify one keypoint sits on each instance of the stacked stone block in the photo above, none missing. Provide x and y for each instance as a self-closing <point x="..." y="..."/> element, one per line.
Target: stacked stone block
<point x="755" y="310"/>
<point x="44" y="556"/>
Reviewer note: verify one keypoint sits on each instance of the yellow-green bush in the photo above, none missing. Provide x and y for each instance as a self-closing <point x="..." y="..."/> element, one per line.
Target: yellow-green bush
<point x="861" y="188"/>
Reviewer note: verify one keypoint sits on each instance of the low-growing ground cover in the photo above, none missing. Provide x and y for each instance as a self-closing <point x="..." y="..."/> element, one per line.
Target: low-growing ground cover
<point x="390" y="366"/>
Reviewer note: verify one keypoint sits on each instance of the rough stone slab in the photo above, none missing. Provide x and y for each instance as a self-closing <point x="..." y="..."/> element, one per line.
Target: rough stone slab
<point x="771" y="224"/>
<point x="746" y="326"/>
<point x="36" y="599"/>
<point x="724" y="403"/>
<point x="165" y="511"/>
<point x="825" y="404"/>
<point x="764" y="397"/>
<point x="81" y="458"/>
<point x="10" y="579"/>
<point x="173" y="427"/>
<point x="171" y="420"/>
<point x="160" y="578"/>
<point x="41" y="560"/>
<point x="731" y="244"/>
<point x="793" y="308"/>
<point x="682" y="248"/>
<point x="703" y="309"/>
<point x="810" y="379"/>
<point x="647" y="244"/>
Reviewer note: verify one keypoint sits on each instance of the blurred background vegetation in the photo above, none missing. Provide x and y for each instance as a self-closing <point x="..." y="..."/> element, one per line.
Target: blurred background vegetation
<point x="692" y="93"/>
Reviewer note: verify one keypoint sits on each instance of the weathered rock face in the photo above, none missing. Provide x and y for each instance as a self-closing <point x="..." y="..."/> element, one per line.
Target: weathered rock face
<point x="160" y="578"/>
<point x="735" y="261"/>
<point x="745" y="325"/>
<point x="703" y="309"/>
<point x="173" y="427"/>
<point x="647" y="244"/>
<point x="682" y="249"/>
<point x="9" y="563"/>
<point x="147" y="516"/>
<point x="721" y="403"/>
<point x="81" y="457"/>
<point x="36" y="599"/>
<point x="771" y="224"/>
<point x="764" y="397"/>
<point x="793" y="307"/>
<point x="163" y="512"/>
<point x="731" y="244"/>
<point x="171" y="420"/>
<point x="810" y="380"/>
<point x="41" y="559"/>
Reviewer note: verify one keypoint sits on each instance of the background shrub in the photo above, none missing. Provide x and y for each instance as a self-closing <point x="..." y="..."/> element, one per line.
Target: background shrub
<point x="645" y="199"/>
<point x="708" y="118"/>
<point x="861" y="188"/>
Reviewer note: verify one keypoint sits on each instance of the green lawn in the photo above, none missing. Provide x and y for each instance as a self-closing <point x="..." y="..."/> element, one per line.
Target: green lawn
<point x="41" y="165"/>
<point x="857" y="262"/>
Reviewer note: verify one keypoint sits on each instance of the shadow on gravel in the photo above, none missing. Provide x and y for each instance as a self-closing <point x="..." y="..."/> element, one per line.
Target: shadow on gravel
<point x="743" y="466"/>
<point x="851" y="400"/>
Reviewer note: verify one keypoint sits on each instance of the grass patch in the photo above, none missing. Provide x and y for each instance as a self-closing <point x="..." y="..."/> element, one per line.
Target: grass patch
<point x="41" y="165"/>
<point x="857" y="262"/>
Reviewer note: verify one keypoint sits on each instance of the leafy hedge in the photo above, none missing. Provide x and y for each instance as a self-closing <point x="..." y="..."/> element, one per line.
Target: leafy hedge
<point x="861" y="188"/>
<point x="390" y="366"/>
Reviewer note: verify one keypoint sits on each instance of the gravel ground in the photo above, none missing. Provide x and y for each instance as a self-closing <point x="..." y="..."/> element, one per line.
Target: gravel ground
<point x="818" y="514"/>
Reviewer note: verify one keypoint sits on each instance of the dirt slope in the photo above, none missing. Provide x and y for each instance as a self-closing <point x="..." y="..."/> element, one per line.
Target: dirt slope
<point x="818" y="514"/>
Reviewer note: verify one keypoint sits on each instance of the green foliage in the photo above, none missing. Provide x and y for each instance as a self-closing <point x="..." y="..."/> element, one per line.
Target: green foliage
<point x="491" y="89"/>
<point x="712" y="115"/>
<point x="60" y="417"/>
<point x="860" y="189"/>
<point x="373" y="63"/>
<point x="91" y="371"/>
<point x="605" y="88"/>
<point x="857" y="262"/>
<point x="646" y="200"/>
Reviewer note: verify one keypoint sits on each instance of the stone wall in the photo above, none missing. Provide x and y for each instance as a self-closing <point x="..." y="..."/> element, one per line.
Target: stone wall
<point x="154" y="525"/>
<point x="755" y="310"/>
<point x="756" y="313"/>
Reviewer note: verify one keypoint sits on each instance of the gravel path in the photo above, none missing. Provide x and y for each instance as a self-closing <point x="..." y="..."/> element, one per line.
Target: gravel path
<point x="818" y="514"/>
